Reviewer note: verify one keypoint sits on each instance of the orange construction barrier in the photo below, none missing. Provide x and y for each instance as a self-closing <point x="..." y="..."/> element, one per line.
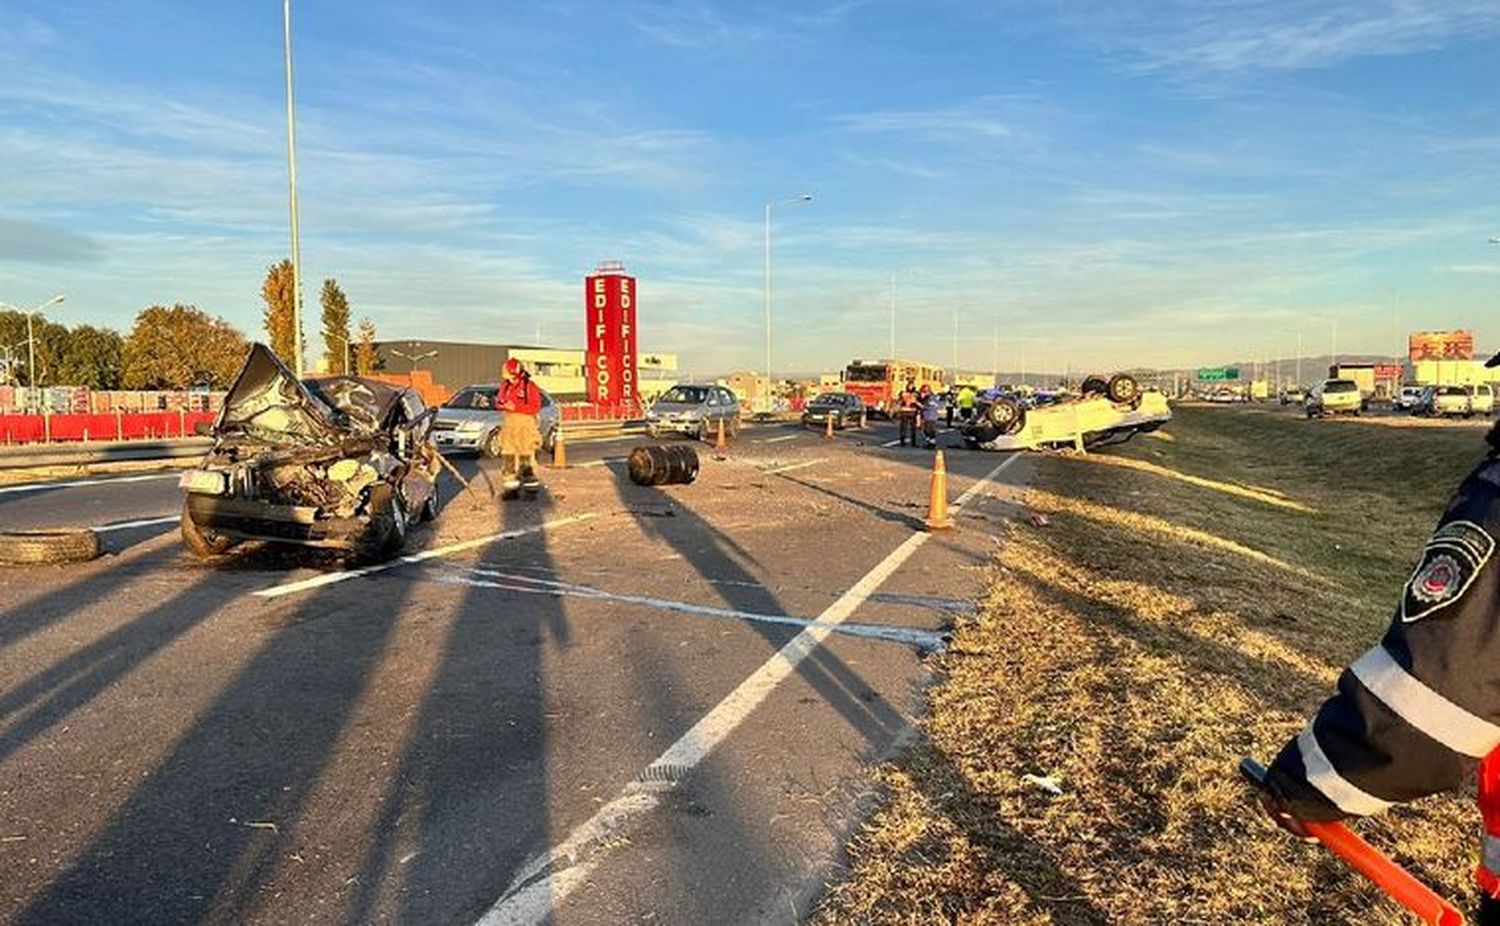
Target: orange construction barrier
<point x="559" y="451"/>
<point x="937" y="502"/>
<point x="721" y="446"/>
<point x="828" y="431"/>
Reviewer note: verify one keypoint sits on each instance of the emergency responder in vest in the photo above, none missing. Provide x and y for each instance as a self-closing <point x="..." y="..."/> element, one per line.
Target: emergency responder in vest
<point x="907" y="407"/>
<point x="520" y="437"/>
<point x="1415" y="712"/>
<point x="966" y="403"/>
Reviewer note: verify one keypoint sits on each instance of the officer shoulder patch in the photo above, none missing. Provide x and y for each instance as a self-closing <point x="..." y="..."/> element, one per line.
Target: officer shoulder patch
<point x="1450" y="564"/>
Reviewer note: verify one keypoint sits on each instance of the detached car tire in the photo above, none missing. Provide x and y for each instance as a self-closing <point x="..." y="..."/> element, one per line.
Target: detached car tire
<point x="24" y="548"/>
<point x="1006" y="415"/>
<point x="199" y="542"/>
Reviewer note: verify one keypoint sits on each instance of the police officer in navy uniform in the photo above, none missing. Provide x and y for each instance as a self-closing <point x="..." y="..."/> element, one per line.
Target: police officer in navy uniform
<point x="1415" y="713"/>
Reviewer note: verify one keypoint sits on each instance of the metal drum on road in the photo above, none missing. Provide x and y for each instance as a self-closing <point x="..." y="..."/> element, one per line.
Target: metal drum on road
<point x="663" y="464"/>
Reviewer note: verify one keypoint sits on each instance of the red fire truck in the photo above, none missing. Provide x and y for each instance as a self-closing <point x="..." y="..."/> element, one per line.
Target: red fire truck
<point x="878" y="382"/>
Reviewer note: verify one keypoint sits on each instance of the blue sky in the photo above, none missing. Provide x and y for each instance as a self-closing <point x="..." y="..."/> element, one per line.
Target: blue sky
<point x="1154" y="183"/>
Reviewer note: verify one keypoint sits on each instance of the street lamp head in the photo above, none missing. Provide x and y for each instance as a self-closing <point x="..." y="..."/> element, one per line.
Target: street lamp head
<point x="1494" y="239"/>
<point x="53" y="301"/>
<point x="807" y="198"/>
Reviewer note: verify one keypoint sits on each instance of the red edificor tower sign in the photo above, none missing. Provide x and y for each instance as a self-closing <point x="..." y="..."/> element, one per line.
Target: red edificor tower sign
<point x="610" y="300"/>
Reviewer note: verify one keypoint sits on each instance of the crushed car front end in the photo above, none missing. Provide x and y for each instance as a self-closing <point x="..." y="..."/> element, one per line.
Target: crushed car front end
<point x="341" y="463"/>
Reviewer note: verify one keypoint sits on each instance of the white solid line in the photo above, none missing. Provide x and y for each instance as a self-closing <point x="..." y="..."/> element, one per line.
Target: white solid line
<point x="777" y="440"/>
<point x="548" y="878"/>
<point x="794" y="466"/>
<point x="911" y="636"/>
<point x="145" y="522"/>
<point x="891" y="443"/>
<point x="329" y="578"/>
<point x="76" y="483"/>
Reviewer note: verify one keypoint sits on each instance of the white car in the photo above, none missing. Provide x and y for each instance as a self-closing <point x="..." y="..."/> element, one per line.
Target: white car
<point x="1334" y="397"/>
<point x="1445" y="402"/>
<point x="1482" y="399"/>
<point x="1407" y="398"/>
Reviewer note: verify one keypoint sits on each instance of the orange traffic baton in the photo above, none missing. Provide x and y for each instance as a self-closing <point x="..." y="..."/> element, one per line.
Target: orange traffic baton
<point x="1395" y="881"/>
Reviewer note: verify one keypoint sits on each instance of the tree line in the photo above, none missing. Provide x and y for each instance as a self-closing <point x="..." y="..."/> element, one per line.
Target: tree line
<point x="179" y="346"/>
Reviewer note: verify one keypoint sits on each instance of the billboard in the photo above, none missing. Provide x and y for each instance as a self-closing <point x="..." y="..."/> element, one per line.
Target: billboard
<point x="609" y="300"/>
<point x="1440" y="345"/>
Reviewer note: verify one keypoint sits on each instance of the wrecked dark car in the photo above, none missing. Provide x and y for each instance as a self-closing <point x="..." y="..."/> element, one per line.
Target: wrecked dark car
<point x="339" y="462"/>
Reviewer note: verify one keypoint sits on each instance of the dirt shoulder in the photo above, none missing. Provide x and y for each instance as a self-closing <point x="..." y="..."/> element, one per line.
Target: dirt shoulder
<point x="1189" y="601"/>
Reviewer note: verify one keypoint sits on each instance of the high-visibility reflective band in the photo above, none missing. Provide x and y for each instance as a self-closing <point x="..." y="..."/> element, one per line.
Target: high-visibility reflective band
<point x="1322" y="775"/>
<point x="1422" y="707"/>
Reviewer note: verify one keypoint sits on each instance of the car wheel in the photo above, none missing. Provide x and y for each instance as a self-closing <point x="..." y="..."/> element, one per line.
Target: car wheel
<point x="386" y="534"/>
<point x="491" y="445"/>
<point x="430" y="507"/>
<point x="703" y="430"/>
<point x="549" y="440"/>
<point x="1006" y="415"/>
<point x="1309" y="413"/>
<point x="1123" y="389"/>
<point x="199" y="542"/>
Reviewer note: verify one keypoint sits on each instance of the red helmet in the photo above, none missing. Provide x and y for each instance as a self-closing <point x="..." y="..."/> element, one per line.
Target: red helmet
<point x="513" y="369"/>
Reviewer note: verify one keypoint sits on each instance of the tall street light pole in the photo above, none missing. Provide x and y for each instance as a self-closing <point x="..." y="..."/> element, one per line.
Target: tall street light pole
<point x="291" y="159"/>
<point x="771" y="380"/>
<point x="31" y="340"/>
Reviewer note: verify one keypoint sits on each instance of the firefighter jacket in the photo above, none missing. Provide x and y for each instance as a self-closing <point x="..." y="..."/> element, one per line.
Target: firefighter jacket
<point x="1414" y="713"/>
<point x="521" y="396"/>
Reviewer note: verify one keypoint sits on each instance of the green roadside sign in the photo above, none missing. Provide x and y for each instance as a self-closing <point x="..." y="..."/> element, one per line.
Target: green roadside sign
<point x="1218" y="374"/>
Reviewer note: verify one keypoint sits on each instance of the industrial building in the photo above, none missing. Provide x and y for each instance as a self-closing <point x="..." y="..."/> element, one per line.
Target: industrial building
<point x="560" y="371"/>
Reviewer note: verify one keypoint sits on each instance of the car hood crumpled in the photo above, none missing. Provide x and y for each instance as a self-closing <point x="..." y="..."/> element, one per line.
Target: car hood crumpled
<point x="267" y="402"/>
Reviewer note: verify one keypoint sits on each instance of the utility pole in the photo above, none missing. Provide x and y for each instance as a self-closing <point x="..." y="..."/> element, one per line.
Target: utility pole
<point x="291" y="159"/>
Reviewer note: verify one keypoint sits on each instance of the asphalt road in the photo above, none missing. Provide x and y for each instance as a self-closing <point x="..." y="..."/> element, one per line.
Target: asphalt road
<point x="608" y="704"/>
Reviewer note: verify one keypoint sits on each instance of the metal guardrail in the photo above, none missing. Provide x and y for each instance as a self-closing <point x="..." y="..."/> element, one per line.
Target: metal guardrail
<point x="82" y="453"/>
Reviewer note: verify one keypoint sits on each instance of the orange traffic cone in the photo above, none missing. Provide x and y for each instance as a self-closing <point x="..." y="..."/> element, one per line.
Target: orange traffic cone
<point x="828" y="431"/>
<point x="937" y="502"/>
<point x="721" y="446"/>
<point x="559" y="451"/>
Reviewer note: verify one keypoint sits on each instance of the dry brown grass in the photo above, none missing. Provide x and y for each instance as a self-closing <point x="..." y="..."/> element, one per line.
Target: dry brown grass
<point x="1158" y="630"/>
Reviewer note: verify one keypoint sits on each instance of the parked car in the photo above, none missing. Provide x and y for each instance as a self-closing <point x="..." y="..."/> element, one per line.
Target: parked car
<point x="1407" y="398"/>
<point x="1293" y="395"/>
<point x="1444" y="402"/>
<point x="845" y="408"/>
<point x="1334" y="397"/>
<point x="695" y="409"/>
<point x="470" y="422"/>
<point x="1482" y="399"/>
<point x="340" y="462"/>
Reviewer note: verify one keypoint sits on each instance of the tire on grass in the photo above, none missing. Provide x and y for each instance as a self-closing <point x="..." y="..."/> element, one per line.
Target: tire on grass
<point x="23" y="548"/>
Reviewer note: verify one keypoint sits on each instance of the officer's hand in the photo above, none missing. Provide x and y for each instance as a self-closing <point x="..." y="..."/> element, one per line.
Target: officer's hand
<point x="1281" y="817"/>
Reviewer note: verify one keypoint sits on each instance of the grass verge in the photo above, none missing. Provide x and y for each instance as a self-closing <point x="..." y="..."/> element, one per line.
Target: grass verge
<point x="1192" y="599"/>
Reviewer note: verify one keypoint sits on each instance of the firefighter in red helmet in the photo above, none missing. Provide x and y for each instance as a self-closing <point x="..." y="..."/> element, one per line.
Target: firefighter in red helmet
<point x="520" y="436"/>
